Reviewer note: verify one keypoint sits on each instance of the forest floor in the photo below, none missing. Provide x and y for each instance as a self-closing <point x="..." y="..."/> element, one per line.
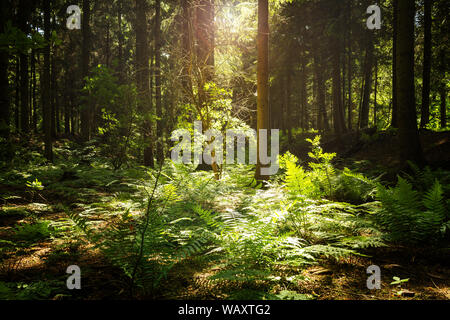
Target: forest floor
<point x="36" y="269"/>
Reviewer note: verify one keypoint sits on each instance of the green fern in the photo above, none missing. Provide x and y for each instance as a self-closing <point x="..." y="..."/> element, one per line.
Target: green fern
<point x="410" y="216"/>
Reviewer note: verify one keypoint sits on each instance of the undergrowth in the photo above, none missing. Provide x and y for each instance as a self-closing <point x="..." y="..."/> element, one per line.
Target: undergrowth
<point x="147" y="221"/>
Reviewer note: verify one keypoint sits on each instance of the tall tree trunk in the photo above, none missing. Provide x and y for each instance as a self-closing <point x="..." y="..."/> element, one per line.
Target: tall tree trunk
<point x="375" y="103"/>
<point x="142" y="76"/>
<point x="53" y="90"/>
<point x="425" y="114"/>
<point x="288" y="116"/>
<point x="204" y="31"/>
<point x="34" y="88"/>
<point x="85" y="58"/>
<point x="263" y="121"/>
<point x="186" y="31"/>
<point x="409" y="143"/>
<point x="350" y="68"/>
<point x="17" y="95"/>
<point x="322" y="117"/>
<point x="394" y="120"/>
<point x="24" y="17"/>
<point x="304" y="95"/>
<point x="368" y="68"/>
<point x="159" y="112"/>
<point x="120" y="37"/>
<point x="46" y="107"/>
<point x="338" y="109"/>
<point x="205" y="37"/>
<point x="4" y="82"/>
<point x="108" y="44"/>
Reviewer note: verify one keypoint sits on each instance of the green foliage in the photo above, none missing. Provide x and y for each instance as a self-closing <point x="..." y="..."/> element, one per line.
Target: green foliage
<point x="117" y="104"/>
<point x="322" y="170"/>
<point x="293" y="295"/>
<point x="39" y="290"/>
<point x="296" y="179"/>
<point x="147" y="244"/>
<point x="34" y="232"/>
<point x="354" y="187"/>
<point x="35" y="185"/>
<point x="411" y="216"/>
<point x="323" y="180"/>
<point x="398" y="281"/>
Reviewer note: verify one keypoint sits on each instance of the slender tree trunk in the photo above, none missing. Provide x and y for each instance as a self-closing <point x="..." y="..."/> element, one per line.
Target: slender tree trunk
<point x="338" y="110"/>
<point x="120" y="42"/>
<point x="425" y="115"/>
<point x="394" y="121"/>
<point x="186" y="32"/>
<point x="288" y="116"/>
<point x="85" y="58"/>
<point x="53" y="91"/>
<point x="46" y="84"/>
<point x="33" y="92"/>
<point x="304" y="95"/>
<point x="375" y="103"/>
<point x="322" y="117"/>
<point x="350" y="68"/>
<point x="263" y="121"/>
<point x="368" y="68"/>
<point x="159" y="111"/>
<point x="204" y="27"/>
<point x="108" y="45"/>
<point x="17" y="95"/>
<point x="142" y="76"/>
<point x="67" y="106"/>
<point x="24" y="16"/>
<point x="4" y="82"/>
<point x="409" y="143"/>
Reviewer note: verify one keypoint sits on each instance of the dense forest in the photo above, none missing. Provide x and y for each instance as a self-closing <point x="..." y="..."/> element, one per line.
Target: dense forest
<point x="117" y="181"/>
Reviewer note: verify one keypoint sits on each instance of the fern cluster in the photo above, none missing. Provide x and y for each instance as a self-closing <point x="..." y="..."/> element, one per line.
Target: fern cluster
<point x="148" y="243"/>
<point x="411" y="216"/>
<point x="323" y="180"/>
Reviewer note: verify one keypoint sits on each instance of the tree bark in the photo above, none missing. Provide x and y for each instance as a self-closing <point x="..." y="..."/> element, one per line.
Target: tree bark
<point x="322" y="117"/>
<point x="24" y="17"/>
<point x="368" y="68"/>
<point x="159" y="111"/>
<point x="85" y="58"/>
<point x="186" y="32"/>
<point x="262" y="78"/>
<point x="46" y="85"/>
<point x="408" y="135"/>
<point x="425" y="114"/>
<point x="4" y="82"/>
<point x="304" y="95"/>
<point x="142" y="77"/>
<point x="375" y="103"/>
<point x="394" y="120"/>
<point x="338" y="109"/>
<point x="121" y="66"/>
